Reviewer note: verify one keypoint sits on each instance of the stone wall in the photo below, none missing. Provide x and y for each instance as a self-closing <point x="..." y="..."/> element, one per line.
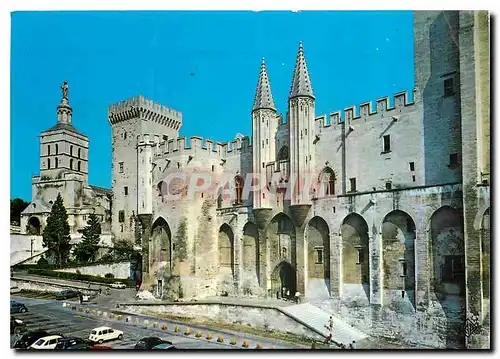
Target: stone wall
<point x="268" y="318"/>
<point x="46" y="286"/>
<point x="120" y="270"/>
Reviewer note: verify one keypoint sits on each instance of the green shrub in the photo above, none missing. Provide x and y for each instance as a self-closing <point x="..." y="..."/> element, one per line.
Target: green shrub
<point x="82" y="277"/>
<point x="109" y="275"/>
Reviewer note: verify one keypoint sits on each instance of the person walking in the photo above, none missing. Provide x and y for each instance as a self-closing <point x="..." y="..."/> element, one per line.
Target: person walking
<point x="329" y="324"/>
<point x="328" y="339"/>
<point x="351" y="346"/>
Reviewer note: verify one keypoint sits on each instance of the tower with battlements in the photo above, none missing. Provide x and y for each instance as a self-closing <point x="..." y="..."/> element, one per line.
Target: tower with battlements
<point x="137" y="124"/>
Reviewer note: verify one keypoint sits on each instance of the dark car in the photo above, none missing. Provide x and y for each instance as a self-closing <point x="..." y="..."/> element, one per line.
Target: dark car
<point x="16" y="325"/>
<point x="29" y="338"/>
<point x="81" y="346"/>
<point x="16" y="307"/>
<point x="68" y="342"/>
<point x="165" y="346"/>
<point x="67" y="294"/>
<point x="148" y="343"/>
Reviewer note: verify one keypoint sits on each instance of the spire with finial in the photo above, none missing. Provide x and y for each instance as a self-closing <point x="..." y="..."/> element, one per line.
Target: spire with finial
<point x="64" y="110"/>
<point x="263" y="96"/>
<point x="301" y="84"/>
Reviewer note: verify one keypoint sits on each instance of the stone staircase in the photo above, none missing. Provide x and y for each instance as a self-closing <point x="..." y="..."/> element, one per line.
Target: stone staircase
<point x="316" y="319"/>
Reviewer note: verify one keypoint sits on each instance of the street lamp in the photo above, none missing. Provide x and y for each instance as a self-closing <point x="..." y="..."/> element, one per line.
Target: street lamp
<point x="32" y="238"/>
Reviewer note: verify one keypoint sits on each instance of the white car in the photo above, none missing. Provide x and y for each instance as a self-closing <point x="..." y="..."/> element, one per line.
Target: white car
<point x="102" y="334"/>
<point x="118" y="285"/>
<point x="49" y="342"/>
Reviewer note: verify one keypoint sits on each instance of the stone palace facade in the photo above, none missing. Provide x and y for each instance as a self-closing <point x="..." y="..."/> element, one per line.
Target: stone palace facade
<point x="393" y="234"/>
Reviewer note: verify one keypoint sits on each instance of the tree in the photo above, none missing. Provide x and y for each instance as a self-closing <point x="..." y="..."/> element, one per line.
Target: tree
<point x="86" y="250"/>
<point x="123" y="250"/>
<point x="56" y="233"/>
<point x="17" y="205"/>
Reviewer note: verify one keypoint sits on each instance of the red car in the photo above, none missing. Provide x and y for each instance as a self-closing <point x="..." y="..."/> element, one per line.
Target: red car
<point x="99" y="347"/>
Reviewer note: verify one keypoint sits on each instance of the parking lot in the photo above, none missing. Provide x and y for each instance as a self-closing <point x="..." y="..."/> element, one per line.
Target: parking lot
<point x="51" y="316"/>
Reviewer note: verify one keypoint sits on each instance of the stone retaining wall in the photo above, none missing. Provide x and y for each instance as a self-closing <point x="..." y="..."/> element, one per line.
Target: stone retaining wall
<point x="263" y="317"/>
<point x="42" y="286"/>
<point x="119" y="270"/>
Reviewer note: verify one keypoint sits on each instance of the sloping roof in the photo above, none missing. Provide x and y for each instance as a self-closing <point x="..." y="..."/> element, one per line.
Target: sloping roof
<point x="263" y="95"/>
<point x="101" y="190"/>
<point x="65" y="126"/>
<point x="301" y="84"/>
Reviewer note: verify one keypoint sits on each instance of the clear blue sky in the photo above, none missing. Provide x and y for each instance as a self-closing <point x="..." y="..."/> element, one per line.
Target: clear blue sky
<point x="204" y="64"/>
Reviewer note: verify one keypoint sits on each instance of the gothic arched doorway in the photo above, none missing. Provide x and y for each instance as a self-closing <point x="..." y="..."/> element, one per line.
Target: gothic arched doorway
<point x="283" y="277"/>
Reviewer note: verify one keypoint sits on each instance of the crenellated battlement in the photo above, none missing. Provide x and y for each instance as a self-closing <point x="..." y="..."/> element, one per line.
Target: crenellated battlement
<point x="196" y="145"/>
<point x="140" y="107"/>
<point x="367" y="109"/>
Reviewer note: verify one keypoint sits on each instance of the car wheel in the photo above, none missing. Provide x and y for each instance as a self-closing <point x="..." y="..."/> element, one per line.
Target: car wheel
<point x="23" y="310"/>
<point x="120" y="337"/>
<point x="100" y="341"/>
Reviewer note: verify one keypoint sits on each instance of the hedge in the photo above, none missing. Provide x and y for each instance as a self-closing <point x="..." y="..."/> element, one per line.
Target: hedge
<point x="82" y="277"/>
<point x="69" y="265"/>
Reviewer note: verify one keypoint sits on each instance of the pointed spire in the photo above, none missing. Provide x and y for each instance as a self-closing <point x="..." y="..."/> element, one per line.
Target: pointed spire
<point x="263" y="96"/>
<point x="301" y="84"/>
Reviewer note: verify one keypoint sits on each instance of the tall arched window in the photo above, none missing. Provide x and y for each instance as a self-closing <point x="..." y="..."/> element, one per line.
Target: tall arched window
<point x="283" y="162"/>
<point x="79" y="166"/>
<point x="57" y="149"/>
<point x="71" y="150"/>
<point x="71" y="163"/>
<point x="48" y="150"/>
<point x="79" y="153"/>
<point x="48" y="163"/>
<point x="57" y="163"/>
<point x="327" y="182"/>
<point x="239" y="183"/>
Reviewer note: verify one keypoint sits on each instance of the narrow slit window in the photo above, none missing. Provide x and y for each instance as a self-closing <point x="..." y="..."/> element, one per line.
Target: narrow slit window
<point x="454" y="159"/>
<point x="387" y="143"/>
<point x="319" y="255"/>
<point x="361" y="256"/>
<point x="353" y="184"/>
<point x="448" y="88"/>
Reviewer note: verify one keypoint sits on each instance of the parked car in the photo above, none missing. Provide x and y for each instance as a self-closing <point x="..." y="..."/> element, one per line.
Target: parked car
<point x="48" y="342"/>
<point x="16" y="307"/>
<point x="29" y="338"/>
<point x="16" y="325"/>
<point x="164" y="346"/>
<point x="148" y="343"/>
<point x="102" y="334"/>
<point x="80" y="346"/>
<point x="118" y="285"/>
<point x="68" y="342"/>
<point x="67" y="294"/>
<point x="99" y="347"/>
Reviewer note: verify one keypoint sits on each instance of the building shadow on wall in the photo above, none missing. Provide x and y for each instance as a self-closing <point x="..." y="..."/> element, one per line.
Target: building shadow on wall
<point x="441" y="98"/>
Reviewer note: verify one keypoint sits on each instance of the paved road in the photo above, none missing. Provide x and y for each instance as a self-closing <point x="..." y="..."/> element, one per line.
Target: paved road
<point x="53" y="317"/>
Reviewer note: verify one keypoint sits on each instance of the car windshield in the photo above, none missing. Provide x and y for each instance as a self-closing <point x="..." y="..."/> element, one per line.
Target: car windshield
<point x="39" y="342"/>
<point x="93" y="332"/>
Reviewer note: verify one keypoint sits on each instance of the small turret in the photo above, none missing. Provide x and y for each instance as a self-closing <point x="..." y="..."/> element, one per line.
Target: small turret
<point x="263" y="95"/>
<point x="301" y="84"/>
